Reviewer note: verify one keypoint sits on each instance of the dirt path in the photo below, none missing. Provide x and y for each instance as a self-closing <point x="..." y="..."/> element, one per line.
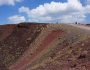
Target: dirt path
<point x="81" y="26"/>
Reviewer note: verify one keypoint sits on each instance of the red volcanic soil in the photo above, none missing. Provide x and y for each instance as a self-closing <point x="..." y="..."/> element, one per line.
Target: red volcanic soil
<point x="61" y="47"/>
<point x="5" y="30"/>
<point x="76" y="57"/>
<point x="46" y="41"/>
<point x="15" y="39"/>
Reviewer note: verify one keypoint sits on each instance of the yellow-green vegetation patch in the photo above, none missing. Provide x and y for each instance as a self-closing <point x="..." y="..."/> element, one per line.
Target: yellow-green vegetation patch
<point x="8" y="59"/>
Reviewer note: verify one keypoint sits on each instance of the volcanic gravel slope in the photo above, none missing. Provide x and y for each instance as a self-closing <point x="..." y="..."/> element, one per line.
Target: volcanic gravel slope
<point x="15" y="39"/>
<point x="33" y="46"/>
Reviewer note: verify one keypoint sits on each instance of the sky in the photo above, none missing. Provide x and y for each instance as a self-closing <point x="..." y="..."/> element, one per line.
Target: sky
<point x="50" y="11"/>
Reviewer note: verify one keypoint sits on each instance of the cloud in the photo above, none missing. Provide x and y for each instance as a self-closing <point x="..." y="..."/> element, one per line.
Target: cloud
<point x="70" y="11"/>
<point x="8" y="2"/>
<point x="16" y="19"/>
<point x="88" y="2"/>
<point x="33" y="20"/>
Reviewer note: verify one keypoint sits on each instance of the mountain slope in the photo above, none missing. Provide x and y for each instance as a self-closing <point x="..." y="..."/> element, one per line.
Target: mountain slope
<point x="46" y="47"/>
<point x="15" y="39"/>
<point x="69" y="51"/>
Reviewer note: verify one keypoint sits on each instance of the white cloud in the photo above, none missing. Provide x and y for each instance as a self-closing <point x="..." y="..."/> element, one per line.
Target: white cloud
<point x="88" y="1"/>
<point x="70" y="11"/>
<point x="16" y="19"/>
<point x="33" y="20"/>
<point x="8" y="2"/>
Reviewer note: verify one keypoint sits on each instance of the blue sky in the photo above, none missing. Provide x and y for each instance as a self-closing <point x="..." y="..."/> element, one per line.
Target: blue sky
<point x="70" y="11"/>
